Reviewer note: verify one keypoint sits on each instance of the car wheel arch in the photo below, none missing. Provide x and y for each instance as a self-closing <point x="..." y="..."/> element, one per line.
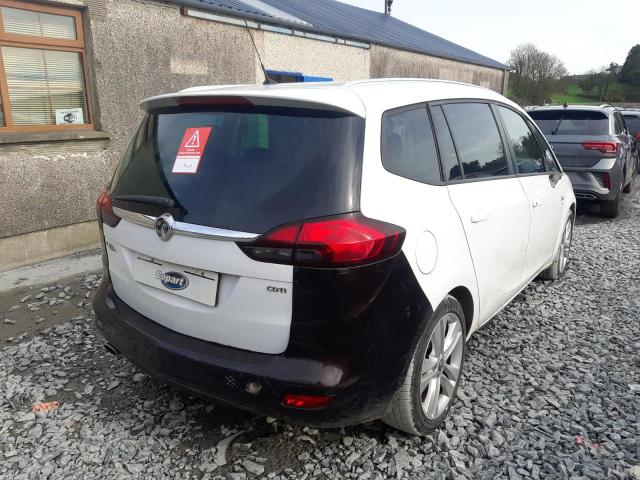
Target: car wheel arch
<point x="465" y="298"/>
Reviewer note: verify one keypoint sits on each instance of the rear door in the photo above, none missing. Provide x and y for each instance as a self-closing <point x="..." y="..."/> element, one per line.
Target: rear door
<point x="490" y="203"/>
<point x="545" y="200"/>
<point x="216" y="176"/>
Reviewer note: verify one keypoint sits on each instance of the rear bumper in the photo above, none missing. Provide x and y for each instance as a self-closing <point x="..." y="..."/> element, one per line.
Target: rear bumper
<point x="587" y="183"/>
<point x="362" y="382"/>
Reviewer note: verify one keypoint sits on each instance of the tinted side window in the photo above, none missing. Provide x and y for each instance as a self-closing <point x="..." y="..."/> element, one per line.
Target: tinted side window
<point x="549" y="160"/>
<point x="528" y="154"/>
<point x="476" y="135"/>
<point x="619" y="128"/>
<point x="408" y="146"/>
<point x="448" y="156"/>
<point x="633" y="123"/>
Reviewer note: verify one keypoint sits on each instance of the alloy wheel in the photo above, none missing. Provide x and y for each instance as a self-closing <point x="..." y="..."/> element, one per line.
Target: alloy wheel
<point x="565" y="246"/>
<point x="441" y="366"/>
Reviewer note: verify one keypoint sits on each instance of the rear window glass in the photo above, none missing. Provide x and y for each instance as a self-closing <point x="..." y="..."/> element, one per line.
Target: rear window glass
<point x="259" y="167"/>
<point x="633" y="122"/>
<point x="571" y="122"/>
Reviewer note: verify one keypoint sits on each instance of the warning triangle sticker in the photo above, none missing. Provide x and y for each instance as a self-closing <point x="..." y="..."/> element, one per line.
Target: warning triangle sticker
<point x="194" y="141"/>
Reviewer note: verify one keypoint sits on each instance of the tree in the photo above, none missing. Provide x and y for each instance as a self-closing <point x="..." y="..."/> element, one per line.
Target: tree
<point x="630" y="72"/>
<point x="535" y="74"/>
<point x="600" y="81"/>
<point x="589" y="82"/>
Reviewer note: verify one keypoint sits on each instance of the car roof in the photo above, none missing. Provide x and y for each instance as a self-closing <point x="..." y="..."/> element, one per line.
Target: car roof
<point x="353" y="97"/>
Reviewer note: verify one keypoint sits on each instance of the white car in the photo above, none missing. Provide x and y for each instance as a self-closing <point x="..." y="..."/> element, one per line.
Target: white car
<point x="323" y="252"/>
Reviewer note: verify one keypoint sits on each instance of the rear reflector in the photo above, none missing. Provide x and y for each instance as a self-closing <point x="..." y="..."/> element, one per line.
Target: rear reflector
<point x="604" y="147"/>
<point x="104" y="210"/>
<point x="307" y="402"/>
<point x="340" y="241"/>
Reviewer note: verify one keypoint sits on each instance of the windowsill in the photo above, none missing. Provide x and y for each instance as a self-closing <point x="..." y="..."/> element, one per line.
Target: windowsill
<point x="66" y="135"/>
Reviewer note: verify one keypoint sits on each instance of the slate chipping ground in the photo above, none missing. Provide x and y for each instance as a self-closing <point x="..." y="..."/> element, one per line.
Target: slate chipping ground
<point x="551" y="390"/>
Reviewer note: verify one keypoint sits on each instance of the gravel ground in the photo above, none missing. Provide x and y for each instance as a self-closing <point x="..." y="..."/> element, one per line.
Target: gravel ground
<point x="551" y="390"/>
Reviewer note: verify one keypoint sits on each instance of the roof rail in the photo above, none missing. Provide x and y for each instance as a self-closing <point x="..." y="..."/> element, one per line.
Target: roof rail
<point x="606" y="105"/>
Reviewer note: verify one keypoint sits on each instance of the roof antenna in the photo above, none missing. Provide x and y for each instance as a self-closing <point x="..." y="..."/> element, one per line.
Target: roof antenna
<point x="387" y="6"/>
<point x="565" y="105"/>
<point x="267" y="79"/>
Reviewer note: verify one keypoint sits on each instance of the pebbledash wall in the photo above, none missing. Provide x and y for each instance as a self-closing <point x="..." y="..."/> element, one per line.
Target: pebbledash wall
<point x="138" y="48"/>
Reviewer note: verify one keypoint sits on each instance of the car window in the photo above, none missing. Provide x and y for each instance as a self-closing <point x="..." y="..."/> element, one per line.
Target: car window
<point x="448" y="156"/>
<point x="408" y="145"/>
<point x="571" y="122"/>
<point x="478" y="140"/>
<point x="528" y="156"/>
<point x="633" y="122"/>
<point x="619" y="125"/>
<point x="550" y="162"/>
<point x="257" y="167"/>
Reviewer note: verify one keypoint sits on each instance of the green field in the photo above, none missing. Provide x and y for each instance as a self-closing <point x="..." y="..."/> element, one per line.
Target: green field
<point x="573" y="94"/>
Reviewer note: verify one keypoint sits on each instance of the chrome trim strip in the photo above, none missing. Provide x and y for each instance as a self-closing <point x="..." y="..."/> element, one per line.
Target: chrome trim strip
<point x="134" y="217"/>
<point x="188" y="229"/>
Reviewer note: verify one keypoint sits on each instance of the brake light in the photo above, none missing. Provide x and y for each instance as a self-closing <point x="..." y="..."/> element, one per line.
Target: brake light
<point x="607" y="181"/>
<point x="341" y="241"/>
<point x="215" y="100"/>
<point x="104" y="209"/>
<point x="604" y="147"/>
<point x="306" y="401"/>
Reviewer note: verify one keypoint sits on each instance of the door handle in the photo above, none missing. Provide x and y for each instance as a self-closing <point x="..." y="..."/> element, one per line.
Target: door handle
<point x="535" y="203"/>
<point x="479" y="216"/>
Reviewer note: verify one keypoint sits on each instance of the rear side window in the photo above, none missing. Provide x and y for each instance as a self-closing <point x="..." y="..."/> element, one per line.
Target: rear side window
<point x="571" y="122"/>
<point x="633" y="122"/>
<point x="408" y="146"/>
<point x="260" y="167"/>
<point x="528" y="155"/>
<point x="619" y="123"/>
<point x="478" y="140"/>
<point x="448" y="156"/>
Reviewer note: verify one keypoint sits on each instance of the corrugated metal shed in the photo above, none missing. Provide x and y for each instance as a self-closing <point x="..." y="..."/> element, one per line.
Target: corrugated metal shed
<point x="330" y="16"/>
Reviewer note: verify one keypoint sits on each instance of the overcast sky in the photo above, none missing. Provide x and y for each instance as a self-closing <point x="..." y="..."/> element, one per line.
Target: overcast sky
<point x="584" y="34"/>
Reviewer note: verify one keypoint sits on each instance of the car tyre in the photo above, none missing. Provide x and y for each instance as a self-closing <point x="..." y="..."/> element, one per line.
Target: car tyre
<point x="630" y="185"/>
<point x="612" y="208"/>
<point x="431" y="383"/>
<point x="561" y="260"/>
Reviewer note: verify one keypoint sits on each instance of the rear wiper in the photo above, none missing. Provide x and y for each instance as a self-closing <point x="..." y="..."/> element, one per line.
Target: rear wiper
<point x="558" y="126"/>
<point x="160" y="201"/>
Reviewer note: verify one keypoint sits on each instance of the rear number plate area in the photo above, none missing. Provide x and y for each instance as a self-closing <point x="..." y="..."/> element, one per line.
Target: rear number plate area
<point x="193" y="284"/>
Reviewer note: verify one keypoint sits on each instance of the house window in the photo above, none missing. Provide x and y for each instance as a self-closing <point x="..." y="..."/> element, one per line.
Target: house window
<point x="43" y="78"/>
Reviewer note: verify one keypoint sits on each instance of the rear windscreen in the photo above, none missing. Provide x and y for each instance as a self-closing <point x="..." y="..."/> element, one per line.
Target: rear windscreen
<point x="633" y="122"/>
<point x="244" y="168"/>
<point x="571" y="122"/>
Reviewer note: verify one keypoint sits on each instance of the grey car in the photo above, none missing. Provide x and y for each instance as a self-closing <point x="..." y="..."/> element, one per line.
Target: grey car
<point x="594" y="148"/>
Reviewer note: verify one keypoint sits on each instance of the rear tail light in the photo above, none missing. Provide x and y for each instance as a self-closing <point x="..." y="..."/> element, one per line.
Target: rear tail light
<point x="341" y="241"/>
<point x="104" y="209"/>
<point x="610" y="148"/>
<point x="307" y="402"/>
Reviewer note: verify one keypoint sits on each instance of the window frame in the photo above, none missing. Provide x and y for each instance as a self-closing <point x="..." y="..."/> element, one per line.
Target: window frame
<point x="503" y="139"/>
<point x="408" y="108"/>
<point x="44" y="43"/>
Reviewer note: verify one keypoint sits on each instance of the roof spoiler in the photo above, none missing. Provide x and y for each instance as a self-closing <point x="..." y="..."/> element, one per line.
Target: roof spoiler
<point x="342" y="101"/>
